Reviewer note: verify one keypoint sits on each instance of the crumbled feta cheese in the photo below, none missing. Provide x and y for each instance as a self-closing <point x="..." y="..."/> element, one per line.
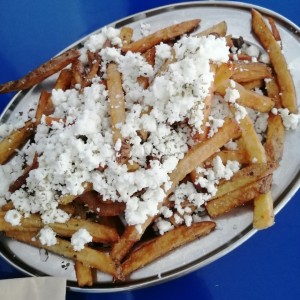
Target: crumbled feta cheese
<point x="13" y="217"/>
<point x="47" y="236"/>
<point x="253" y="51"/>
<point x="290" y="121"/>
<point x="80" y="238"/>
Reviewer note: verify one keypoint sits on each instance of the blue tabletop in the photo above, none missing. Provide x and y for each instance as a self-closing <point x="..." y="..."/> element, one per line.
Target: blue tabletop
<point x="267" y="266"/>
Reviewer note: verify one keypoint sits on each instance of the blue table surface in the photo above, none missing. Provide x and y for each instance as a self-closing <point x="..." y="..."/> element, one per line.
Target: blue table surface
<point x="267" y="266"/>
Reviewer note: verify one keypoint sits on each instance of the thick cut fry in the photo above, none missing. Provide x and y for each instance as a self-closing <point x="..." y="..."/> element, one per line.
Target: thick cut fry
<point x="41" y="73"/>
<point x="245" y="72"/>
<point x="275" y="138"/>
<point x="274" y="29"/>
<point x="246" y="176"/>
<point x="43" y="108"/>
<point x="64" y="80"/>
<point x="15" y="140"/>
<point x="254" y="84"/>
<point x="162" y="35"/>
<point x="84" y="274"/>
<point x="251" y="141"/>
<point x="264" y="213"/>
<point x="163" y="244"/>
<point x="88" y="256"/>
<point x="234" y="155"/>
<point x="66" y="199"/>
<point x="273" y="92"/>
<point x="193" y="158"/>
<point x="202" y="133"/>
<point x="238" y="197"/>
<point x="200" y="152"/>
<point x="116" y="100"/>
<point x="286" y="85"/>
<point x="219" y="29"/>
<point x="126" y="35"/>
<point x="247" y="98"/>
<point x="100" y="233"/>
<point x="257" y="152"/>
<point x="96" y="204"/>
<point x="22" y="179"/>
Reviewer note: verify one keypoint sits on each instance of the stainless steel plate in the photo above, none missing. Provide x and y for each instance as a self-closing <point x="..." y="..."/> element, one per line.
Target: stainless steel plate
<point x="233" y="229"/>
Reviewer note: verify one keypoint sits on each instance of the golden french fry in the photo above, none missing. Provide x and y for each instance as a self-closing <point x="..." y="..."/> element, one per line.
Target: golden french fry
<point x="273" y="92"/>
<point x="238" y="197"/>
<point x="64" y="80"/>
<point x="247" y="98"/>
<point x="42" y="72"/>
<point x="254" y="84"/>
<point x="116" y="100"/>
<point x="15" y="141"/>
<point x="285" y="82"/>
<point x="163" y="244"/>
<point x="275" y="138"/>
<point x="84" y="274"/>
<point x="66" y="199"/>
<point x="87" y="256"/>
<point x="17" y="184"/>
<point x="220" y="29"/>
<point x="245" y="72"/>
<point x="263" y="216"/>
<point x="42" y="106"/>
<point x="200" y="152"/>
<point x="126" y="35"/>
<point x="162" y="35"/>
<point x="245" y="176"/>
<point x="100" y="233"/>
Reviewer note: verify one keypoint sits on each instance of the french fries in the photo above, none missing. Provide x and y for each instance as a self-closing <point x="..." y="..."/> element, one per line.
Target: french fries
<point x="130" y="149"/>
<point x="42" y="72"/>
<point x="286" y="85"/>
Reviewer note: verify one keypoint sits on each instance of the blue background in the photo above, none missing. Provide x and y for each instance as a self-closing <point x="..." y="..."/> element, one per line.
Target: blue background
<point x="267" y="266"/>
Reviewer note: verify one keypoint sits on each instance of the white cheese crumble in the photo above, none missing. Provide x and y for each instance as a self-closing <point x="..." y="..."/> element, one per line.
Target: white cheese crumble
<point x="13" y="217"/>
<point x="80" y="238"/>
<point x="47" y="236"/>
<point x="290" y="121"/>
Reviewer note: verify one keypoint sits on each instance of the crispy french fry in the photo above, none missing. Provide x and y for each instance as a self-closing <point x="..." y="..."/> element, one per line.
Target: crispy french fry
<point x="247" y="98"/>
<point x="245" y="72"/>
<point x="100" y="233"/>
<point x="17" y="184"/>
<point x="275" y="138"/>
<point x="162" y="35"/>
<point x="239" y="155"/>
<point x="84" y="274"/>
<point x="64" y="80"/>
<point x="42" y="106"/>
<point x="163" y="244"/>
<point x="201" y="135"/>
<point x="238" y="197"/>
<point x="245" y="177"/>
<point x="126" y="35"/>
<point x="66" y="199"/>
<point x="257" y="152"/>
<point x="41" y="73"/>
<point x="263" y="216"/>
<point x="220" y="29"/>
<point x="251" y="85"/>
<point x="200" y="152"/>
<point x="88" y="256"/>
<point x="15" y="140"/>
<point x="102" y="208"/>
<point x="274" y="29"/>
<point x="116" y="100"/>
<point x="286" y="85"/>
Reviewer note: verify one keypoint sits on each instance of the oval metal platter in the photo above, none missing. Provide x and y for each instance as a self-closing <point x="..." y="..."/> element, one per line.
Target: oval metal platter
<point x="233" y="229"/>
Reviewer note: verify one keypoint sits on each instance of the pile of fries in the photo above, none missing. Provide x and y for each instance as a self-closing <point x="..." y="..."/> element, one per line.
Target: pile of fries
<point x="119" y="248"/>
